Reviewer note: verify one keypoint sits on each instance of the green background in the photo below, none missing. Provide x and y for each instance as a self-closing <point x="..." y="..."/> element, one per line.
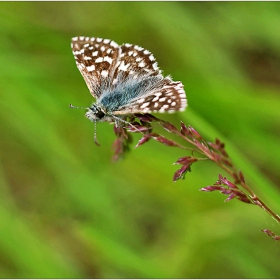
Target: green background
<point x="67" y="210"/>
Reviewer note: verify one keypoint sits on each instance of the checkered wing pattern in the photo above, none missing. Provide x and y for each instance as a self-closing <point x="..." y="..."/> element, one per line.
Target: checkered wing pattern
<point x="135" y="61"/>
<point x="167" y="98"/>
<point x="96" y="59"/>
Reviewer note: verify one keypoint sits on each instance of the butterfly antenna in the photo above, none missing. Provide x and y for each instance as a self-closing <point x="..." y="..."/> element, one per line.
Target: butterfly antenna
<point x="76" y="107"/>
<point x="95" y="137"/>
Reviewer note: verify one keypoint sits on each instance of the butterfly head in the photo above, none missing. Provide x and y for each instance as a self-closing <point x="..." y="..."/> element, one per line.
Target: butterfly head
<point x="96" y="113"/>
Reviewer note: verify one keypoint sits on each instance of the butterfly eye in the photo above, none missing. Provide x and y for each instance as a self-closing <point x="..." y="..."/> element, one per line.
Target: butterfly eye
<point x="100" y="114"/>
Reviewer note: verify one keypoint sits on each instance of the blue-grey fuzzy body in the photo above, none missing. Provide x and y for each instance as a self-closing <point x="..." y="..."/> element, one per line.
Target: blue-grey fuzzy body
<point x="126" y="93"/>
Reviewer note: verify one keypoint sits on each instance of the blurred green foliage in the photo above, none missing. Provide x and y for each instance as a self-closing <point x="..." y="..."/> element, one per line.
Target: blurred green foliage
<point x="68" y="211"/>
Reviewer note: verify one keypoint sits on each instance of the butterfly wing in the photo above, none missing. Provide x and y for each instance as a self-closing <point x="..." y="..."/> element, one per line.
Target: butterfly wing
<point x="166" y="96"/>
<point x="96" y="59"/>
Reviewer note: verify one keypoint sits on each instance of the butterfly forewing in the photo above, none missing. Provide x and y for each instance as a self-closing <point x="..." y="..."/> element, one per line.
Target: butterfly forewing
<point x="135" y="62"/>
<point x="96" y="59"/>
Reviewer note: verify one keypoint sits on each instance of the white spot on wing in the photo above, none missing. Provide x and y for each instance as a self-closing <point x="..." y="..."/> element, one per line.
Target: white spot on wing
<point x="99" y="59"/>
<point x="104" y="73"/>
<point x="113" y="44"/>
<point x="141" y="100"/>
<point x="90" y="68"/>
<point x="76" y="52"/>
<point x="124" y="67"/>
<point x="144" y="105"/>
<point x="138" y="48"/>
<point x="108" y="59"/>
<point x="141" y="64"/>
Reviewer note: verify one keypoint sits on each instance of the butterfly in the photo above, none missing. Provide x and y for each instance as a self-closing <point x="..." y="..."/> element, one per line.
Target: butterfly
<point x="124" y="80"/>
